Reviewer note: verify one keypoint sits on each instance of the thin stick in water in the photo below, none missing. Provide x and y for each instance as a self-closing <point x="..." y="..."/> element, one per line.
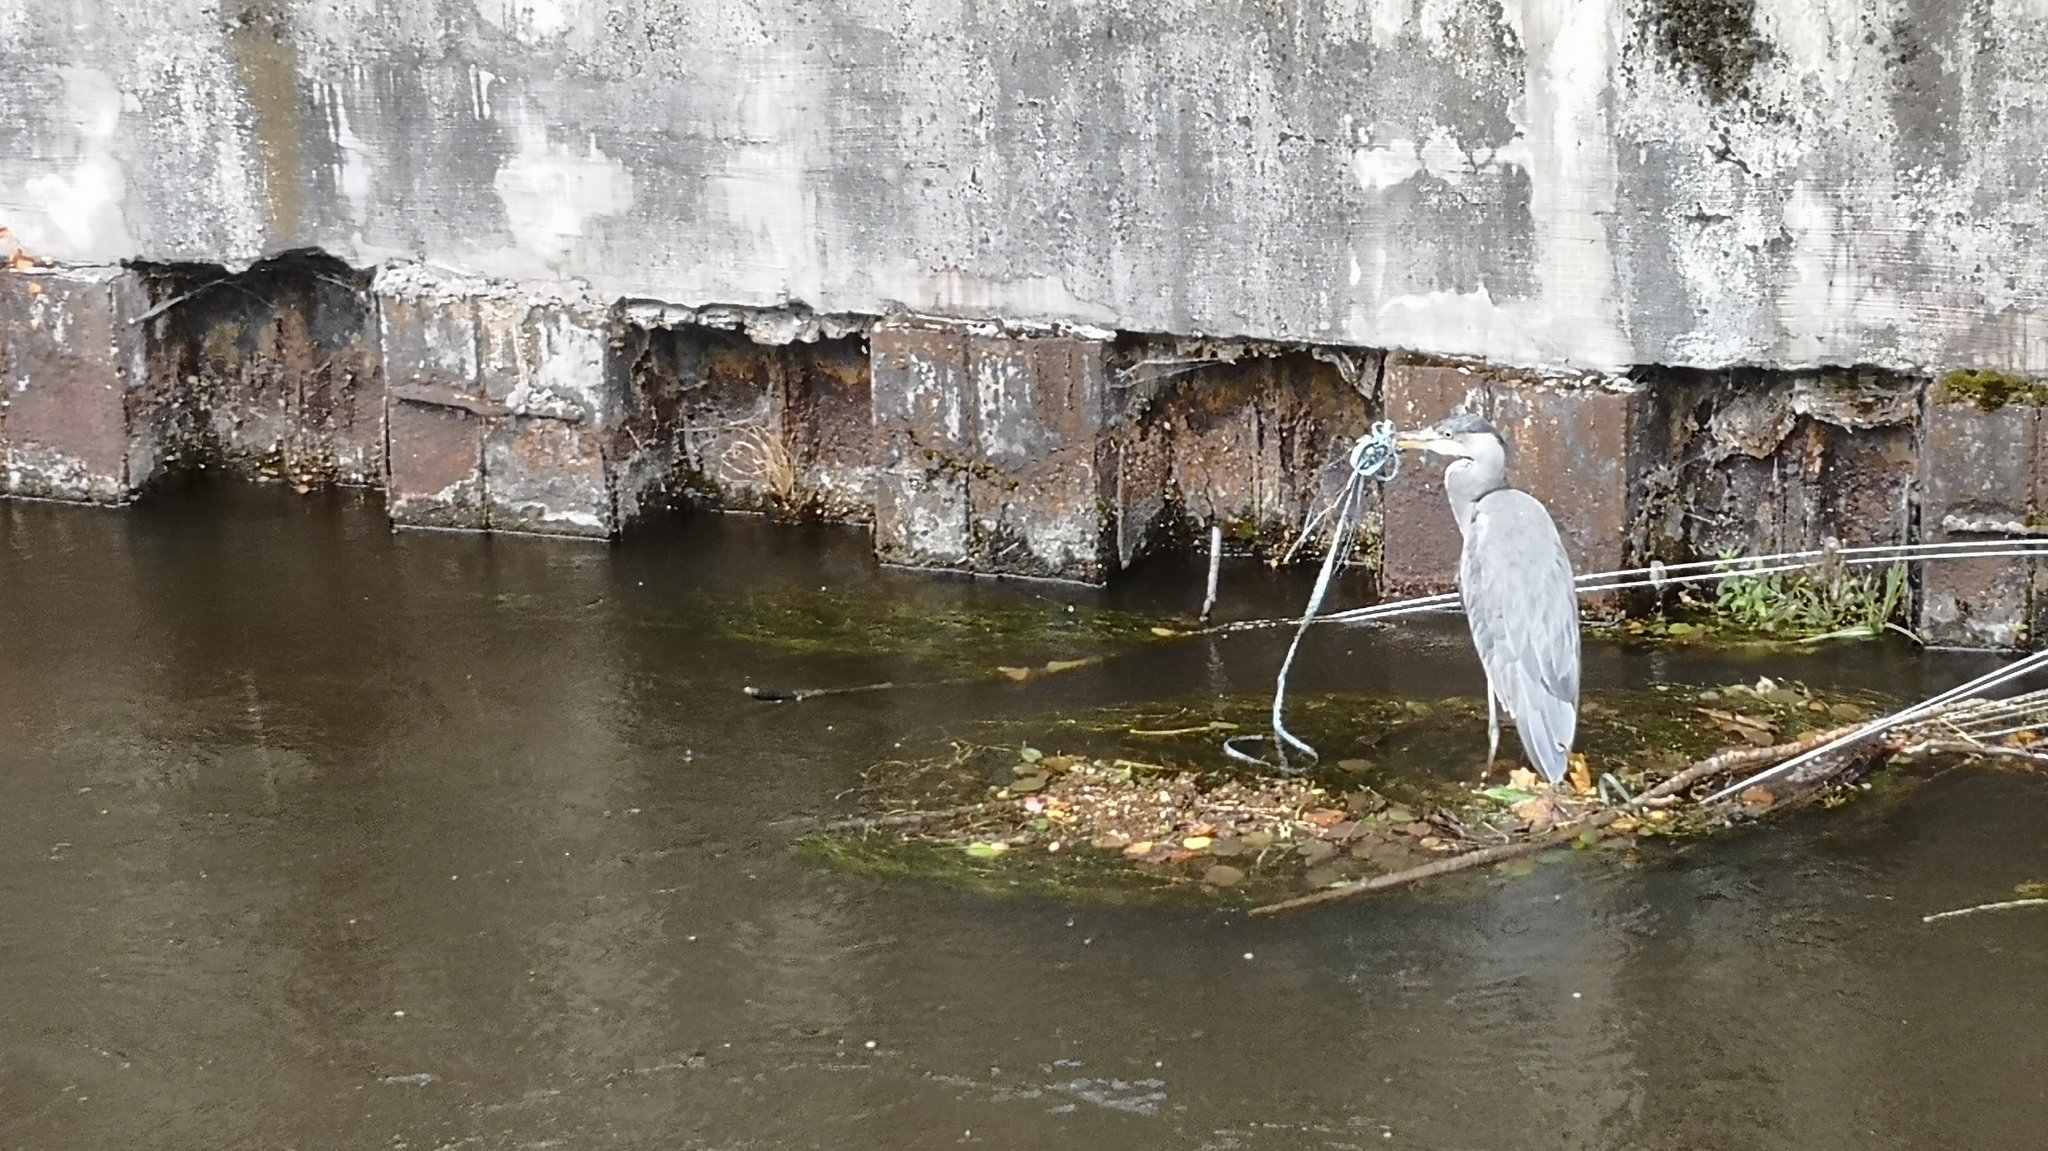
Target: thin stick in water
<point x="1215" y="569"/>
<point x="2003" y="905"/>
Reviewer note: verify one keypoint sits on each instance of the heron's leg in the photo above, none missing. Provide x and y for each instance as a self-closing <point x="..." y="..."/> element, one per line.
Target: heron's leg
<point x="1492" y="730"/>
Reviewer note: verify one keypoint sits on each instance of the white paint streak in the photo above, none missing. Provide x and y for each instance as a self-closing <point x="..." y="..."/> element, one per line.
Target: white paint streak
<point x="79" y="206"/>
<point x="552" y="191"/>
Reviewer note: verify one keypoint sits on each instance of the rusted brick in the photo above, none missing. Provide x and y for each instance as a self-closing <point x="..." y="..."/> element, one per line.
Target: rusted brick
<point x="546" y="365"/>
<point x="437" y="410"/>
<point x="437" y="465"/>
<point x="923" y="446"/>
<point x="1420" y="540"/>
<point x="993" y="452"/>
<point x="1763" y="462"/>
<point x="71" y="354"/>
<point x="1980" y="476"/>
<point x="274" y="371"/>
<point x="1043" y="479"/>
<point x="828" y="423"/>
<point x="1251" y="440"/>
<point x="546" y="475"/>
<point x="502" y="407"/>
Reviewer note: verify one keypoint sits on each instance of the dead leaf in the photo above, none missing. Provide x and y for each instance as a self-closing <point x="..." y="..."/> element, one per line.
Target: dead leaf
<point x="1223" y="875"/>
<point x="1164" y="632"/>
<point x="1538" y="813"/>
<point x="1522" y="779"/>
<point x="1140" y="848"/>
<point x="1581" y="775"/>
<point x="1323" y="817"/>
<point x="1020" y="674"/>
<point x="1757" y="797"/>
<point x="1059" y="665"/>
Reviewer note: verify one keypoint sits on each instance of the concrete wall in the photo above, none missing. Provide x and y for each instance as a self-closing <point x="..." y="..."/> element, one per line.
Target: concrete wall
<point x="1559" y="183"/>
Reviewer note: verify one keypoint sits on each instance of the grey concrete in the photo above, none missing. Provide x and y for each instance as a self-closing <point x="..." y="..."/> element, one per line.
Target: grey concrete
<point x="1545" y="183"/>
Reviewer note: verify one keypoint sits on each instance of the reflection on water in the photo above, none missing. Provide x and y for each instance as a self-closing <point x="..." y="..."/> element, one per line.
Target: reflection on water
<point x="313" y="835"/>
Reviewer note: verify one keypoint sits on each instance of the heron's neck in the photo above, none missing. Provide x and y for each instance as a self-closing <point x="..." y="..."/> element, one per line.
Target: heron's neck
<point x="1467" y="481"/>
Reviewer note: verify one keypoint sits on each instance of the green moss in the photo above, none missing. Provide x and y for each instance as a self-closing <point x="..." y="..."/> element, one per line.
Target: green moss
<point x="1990" y="390"/>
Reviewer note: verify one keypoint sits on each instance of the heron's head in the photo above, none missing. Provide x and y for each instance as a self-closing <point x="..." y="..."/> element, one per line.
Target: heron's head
<point x="1461" y="436"/>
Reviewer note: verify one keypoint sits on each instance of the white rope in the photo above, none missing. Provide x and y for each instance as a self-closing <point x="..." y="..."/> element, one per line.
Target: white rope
<point x="1374" y="456"/>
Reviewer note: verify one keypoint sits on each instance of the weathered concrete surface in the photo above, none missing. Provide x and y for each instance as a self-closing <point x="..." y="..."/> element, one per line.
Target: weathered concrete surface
<point x="1559" y="183"/>
<point x="993" y="452"/>
<point x="1981" y="479"/>
<point x="72" y="358"/>
<point x="1571" y="444"/>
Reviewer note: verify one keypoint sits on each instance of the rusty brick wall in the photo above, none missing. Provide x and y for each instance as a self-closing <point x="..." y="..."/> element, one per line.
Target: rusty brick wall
<point x="1771" y="462"/>
<point x="1982" y="478"/>
<point x="993" y="452"/>
<point x="971" y="446"/>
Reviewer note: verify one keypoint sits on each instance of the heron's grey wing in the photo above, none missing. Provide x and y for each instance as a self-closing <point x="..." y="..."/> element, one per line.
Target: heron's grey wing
<point x="1516" y="584"/>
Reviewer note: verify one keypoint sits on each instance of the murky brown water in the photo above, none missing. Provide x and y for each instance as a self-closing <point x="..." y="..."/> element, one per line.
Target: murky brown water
<point x="314" y="836"/>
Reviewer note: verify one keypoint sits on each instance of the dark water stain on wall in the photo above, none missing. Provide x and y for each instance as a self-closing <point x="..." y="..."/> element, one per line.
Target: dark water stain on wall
<point x="267" y="63"/>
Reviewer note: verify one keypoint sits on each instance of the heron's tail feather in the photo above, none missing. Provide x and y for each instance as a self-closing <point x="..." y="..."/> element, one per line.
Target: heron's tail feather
<point x="1546" y="725"/>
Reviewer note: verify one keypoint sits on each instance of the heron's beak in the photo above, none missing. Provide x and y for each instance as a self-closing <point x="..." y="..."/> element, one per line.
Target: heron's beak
<point x="1427" y="441"/>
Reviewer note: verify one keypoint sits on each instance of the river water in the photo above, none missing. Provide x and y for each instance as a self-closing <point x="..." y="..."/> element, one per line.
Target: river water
<point x="316" y="836"/>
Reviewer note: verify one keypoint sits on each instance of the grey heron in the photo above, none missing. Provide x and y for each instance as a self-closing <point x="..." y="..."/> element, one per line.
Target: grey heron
<point x="1516" y="585"/>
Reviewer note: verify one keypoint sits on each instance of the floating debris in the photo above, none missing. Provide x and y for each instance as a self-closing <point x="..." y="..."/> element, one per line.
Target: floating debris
<point x="1129" y="800"/>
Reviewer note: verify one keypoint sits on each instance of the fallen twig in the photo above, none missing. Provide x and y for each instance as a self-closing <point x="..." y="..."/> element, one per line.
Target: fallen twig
<point x="2003" y="905"/>
<point x="798" y="695"/>
<point x="1714" y="765"/>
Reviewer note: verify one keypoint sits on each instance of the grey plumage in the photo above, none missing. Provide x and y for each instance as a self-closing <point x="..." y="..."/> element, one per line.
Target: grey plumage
<point x="1516" y="584"/>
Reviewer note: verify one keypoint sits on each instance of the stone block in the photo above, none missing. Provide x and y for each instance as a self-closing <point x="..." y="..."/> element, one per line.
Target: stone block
<point x="1571" y="446"/>
<point x="71" y="357"/>
<point x="547" y="476"/>
<point x="923" y="446"/>
<point x="1980" y="479"/>
<point x="437" y="464"/>
<point x="1420" y="540"/>
<point x="503" y="406"/>
<point x="993" y="452"/>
